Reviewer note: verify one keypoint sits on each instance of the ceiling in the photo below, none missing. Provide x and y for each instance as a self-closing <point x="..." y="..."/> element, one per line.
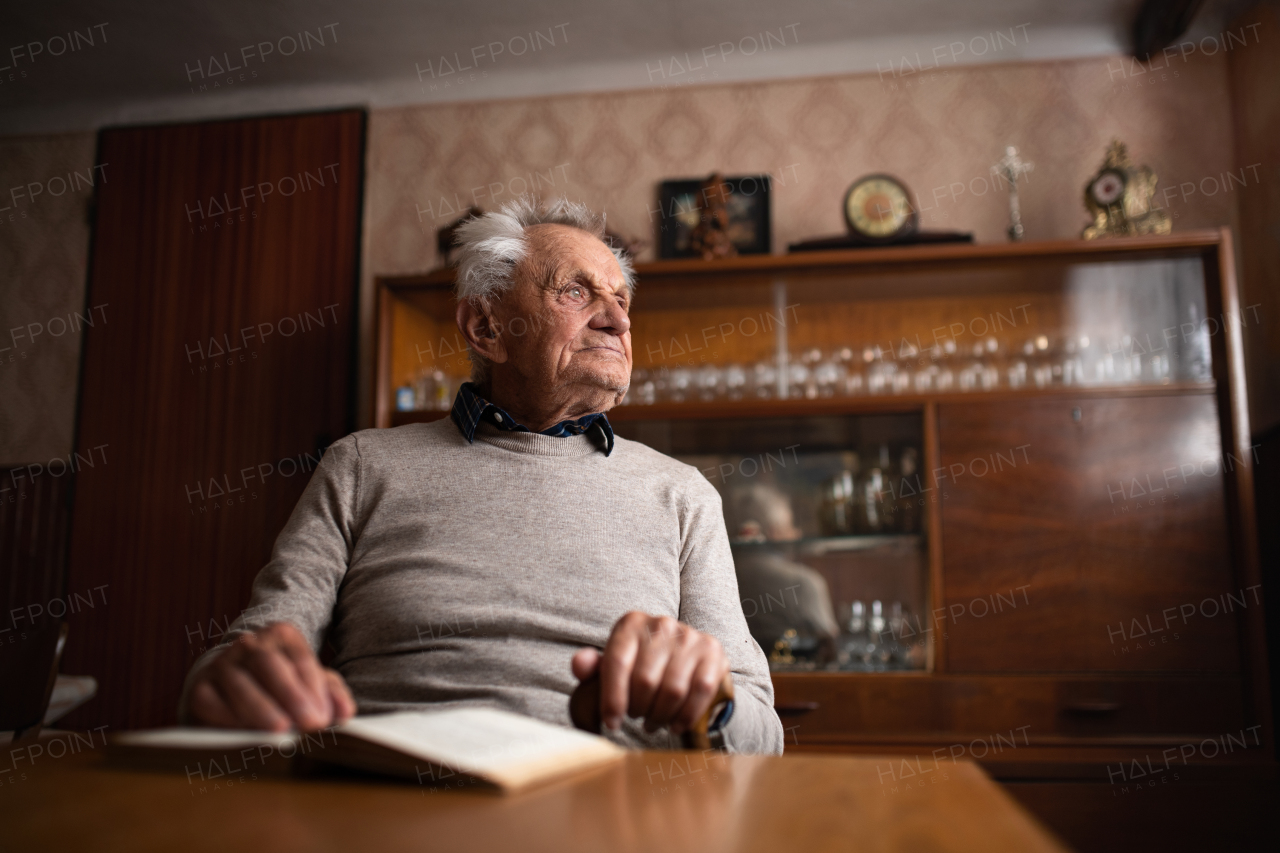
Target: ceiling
<point x="148" y="61"/>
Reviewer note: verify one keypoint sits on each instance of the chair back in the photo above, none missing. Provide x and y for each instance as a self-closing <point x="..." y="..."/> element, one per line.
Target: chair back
<point x="28" y="670"/>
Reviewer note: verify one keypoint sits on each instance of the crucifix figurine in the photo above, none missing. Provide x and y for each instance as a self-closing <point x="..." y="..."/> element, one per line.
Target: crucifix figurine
<point x="1012" y="167"/>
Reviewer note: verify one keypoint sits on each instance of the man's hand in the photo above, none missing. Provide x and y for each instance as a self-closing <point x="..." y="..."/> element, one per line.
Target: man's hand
<point x="269" y="680"/>
<point x="656" y="668"/>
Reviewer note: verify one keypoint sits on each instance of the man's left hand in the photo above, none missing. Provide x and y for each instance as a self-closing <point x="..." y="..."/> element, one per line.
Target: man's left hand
<point x="655" y="668"/>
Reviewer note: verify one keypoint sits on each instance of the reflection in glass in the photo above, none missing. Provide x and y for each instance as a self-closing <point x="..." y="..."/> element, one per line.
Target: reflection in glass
<point x="787" y="604"/>
<point x="822" y="512"/>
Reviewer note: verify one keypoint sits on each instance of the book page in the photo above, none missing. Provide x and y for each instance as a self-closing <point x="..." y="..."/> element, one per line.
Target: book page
<point x="484" y="741"/>
<point x="202" y="738"/>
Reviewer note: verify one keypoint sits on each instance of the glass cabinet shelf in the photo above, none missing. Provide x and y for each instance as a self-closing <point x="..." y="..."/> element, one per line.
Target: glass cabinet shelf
<point x="818" y="546"/>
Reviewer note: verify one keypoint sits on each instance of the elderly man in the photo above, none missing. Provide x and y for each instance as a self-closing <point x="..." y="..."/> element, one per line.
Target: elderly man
<point x="491" y="558"/>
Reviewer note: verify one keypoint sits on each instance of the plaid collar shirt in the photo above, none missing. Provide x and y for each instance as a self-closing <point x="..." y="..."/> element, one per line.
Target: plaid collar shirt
<point x="469" y="409"/>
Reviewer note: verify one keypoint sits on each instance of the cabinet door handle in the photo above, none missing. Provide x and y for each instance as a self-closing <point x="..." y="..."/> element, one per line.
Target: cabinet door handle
<point x="794" y="709"/>
<point x="1100" y="706"/>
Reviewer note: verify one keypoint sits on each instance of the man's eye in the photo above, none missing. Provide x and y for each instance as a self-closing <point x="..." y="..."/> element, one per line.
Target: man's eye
<point x="576" y="292"/>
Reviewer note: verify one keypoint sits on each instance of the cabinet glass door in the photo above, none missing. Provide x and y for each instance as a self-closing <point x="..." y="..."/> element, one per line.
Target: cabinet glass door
<point x="826" y="517"/>
<point x="859" y="332"/>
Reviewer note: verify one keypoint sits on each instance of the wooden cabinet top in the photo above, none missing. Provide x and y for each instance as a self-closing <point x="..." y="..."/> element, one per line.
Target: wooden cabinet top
<point x="954" y="254"/>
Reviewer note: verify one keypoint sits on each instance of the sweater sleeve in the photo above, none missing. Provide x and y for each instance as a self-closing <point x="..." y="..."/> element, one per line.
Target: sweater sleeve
<point x="709" y="603"/>
<point x="308" y="562"/>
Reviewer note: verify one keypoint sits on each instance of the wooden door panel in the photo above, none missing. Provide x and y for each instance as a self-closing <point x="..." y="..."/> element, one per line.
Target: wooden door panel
<point x="1113" y="515"/>
<point x="227" y="255"/>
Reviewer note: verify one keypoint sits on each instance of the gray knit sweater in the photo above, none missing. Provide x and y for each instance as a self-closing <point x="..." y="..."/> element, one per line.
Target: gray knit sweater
<point x="449" y="574"/>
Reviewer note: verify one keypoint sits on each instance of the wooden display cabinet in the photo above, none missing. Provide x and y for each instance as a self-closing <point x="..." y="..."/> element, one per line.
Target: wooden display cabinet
<point x="1081" y="585"/>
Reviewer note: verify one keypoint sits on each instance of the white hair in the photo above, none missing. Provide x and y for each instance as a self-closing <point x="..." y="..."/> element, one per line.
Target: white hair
<point x="492" y="245"/>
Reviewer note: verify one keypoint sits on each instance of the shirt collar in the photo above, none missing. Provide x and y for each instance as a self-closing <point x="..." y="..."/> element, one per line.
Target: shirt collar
<point x="469" y="409"/>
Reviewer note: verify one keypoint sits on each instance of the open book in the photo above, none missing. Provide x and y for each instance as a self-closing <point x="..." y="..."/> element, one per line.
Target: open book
<point x="509" y="751"/>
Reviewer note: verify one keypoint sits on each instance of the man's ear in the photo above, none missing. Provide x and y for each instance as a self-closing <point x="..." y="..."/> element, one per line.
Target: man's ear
<point x="481" y="331"/>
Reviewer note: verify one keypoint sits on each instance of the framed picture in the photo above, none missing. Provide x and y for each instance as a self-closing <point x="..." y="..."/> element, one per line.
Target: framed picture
<point x="749" y="225"/>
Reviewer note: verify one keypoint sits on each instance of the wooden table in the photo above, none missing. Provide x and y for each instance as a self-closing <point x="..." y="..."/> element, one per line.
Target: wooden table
<point x="652" y="801"/>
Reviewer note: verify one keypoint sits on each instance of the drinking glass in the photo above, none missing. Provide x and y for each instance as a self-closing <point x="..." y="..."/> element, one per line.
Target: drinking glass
<point x="641" y="391"/>
<point x="735" y="381"/>
<point x="709" y="381"/>
<point x="879" y="377"/>
<point x="1017" y="374"/>
<point x="826" y="375"/>
<point x="764" y="380"/>
<point x="800" y="380"/>
<point x="923" y="380"/>
<point x="679" y="383"/>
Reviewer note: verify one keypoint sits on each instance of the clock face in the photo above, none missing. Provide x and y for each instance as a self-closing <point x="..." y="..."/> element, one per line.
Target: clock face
<point x="878" y="206"/>
<point x="1108" y="187"/>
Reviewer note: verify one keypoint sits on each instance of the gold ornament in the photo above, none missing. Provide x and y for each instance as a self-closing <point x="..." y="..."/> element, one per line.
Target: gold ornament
<point x="782" y="648"/>
<point x="1119" y="199"/>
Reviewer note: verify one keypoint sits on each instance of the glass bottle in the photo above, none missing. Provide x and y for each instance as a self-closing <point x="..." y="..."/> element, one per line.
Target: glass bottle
<point x="870" y="486"/>
<point x="910" y="492"/>
<point x="878" y="645"/>
<point x="443" y="387"/>
<point x="405" y="400"/>
<point x="855" y="642"/>
<point x="880" y="493"/>
<point x="836" y="512"/>
<point x="897" y="653"/>
<point x="423" y="392"/>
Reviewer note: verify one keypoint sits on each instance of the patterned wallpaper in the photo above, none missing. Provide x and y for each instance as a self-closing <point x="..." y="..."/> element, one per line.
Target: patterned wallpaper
<point x="45" y="186"/>
<point x="939" y="133"/>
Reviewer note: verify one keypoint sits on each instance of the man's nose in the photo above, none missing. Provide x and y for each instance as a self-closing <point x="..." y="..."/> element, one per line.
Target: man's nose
<point x="611" y="318"/>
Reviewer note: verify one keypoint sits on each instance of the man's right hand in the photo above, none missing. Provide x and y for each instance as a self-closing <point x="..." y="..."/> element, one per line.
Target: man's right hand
<point x="269" y="680"/>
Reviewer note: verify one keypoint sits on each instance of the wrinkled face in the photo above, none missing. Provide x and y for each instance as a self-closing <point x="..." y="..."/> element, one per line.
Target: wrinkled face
<point x="564" y="321"/>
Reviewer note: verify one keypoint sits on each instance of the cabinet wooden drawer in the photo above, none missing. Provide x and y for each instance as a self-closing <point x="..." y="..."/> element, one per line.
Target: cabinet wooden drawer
<point x="865" y="709"/>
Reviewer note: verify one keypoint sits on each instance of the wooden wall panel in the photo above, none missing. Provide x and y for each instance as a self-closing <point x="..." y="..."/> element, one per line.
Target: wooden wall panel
<point x="35" y="512"/>
<point x="228" y="252"/>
